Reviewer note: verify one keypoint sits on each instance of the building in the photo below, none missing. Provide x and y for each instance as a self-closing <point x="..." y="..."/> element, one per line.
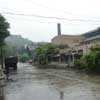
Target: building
<point x="92" y="37"/>
<point x="68" y="40"/>
<point x="76" y="45"/>
<point x="84" y="41"/>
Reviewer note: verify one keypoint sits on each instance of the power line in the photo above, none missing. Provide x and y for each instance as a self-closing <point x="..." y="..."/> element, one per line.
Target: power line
<point x="49" y="17"/>
<point x="44" y="6"/>
<point x="66" y="12"/>
<point x="53" y="22"/>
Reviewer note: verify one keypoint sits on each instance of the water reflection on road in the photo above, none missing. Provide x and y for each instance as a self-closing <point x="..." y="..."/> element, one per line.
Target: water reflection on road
<point x="30" y="83"/>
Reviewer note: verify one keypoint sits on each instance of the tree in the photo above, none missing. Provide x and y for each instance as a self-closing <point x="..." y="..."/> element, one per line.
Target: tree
<point x="24" y="58"/>
<point x="4" y="25"/>
<point x="90" y="62"/>
<point x="43" y="52"/>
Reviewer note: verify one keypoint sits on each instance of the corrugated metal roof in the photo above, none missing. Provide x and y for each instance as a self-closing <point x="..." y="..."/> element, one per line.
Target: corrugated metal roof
<point x="93" y="38"/>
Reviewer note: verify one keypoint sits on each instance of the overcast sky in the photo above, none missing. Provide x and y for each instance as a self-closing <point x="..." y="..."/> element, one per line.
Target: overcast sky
<point x="75" y="16"/>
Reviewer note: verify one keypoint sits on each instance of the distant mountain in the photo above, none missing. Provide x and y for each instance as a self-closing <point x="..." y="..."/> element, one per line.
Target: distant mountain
<point x="17" y="40"/>
<point x="16" y="44"/>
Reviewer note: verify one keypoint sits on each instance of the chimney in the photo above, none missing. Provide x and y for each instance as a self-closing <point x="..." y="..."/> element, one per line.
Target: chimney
<point x="59" y="29"/>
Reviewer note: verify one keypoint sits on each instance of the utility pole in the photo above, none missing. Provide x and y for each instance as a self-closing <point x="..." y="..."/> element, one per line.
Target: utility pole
<point x="2" y="77"/>
<point x="1" y="57"/>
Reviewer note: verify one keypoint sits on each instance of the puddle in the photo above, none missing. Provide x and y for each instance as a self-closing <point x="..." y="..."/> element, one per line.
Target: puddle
<point x="51" y="84"/>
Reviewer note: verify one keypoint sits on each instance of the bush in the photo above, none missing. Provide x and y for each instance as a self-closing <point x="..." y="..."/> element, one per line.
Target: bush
<point x="93" y="61"/>
<point x="24" y="58"/>
<point x="43" y="53"/>
<point x="90" y="62"/>
<point x="80" y="64"/>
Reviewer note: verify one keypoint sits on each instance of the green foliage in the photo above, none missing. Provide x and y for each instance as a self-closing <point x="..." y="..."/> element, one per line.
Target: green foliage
<point x="3" y="34"/>
<point x="93" y="59"/>
<point x="24" y="58"/>
<point x="90" y="62"/>
<point x="46" y="49"/>
<point x="3" y="30"/>
<point x="80" y="64"/>
<point x="42" y="52"/>
<point x="95" y="48"/>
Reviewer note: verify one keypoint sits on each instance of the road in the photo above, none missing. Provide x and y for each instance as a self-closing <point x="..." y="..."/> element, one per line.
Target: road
<point x="30" y="83"/>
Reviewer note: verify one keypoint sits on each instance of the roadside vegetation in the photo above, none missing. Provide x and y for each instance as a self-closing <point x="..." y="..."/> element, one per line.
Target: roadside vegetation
<point x="24" y="58"/>
<point x="43" y="53"/>
<point x="4" y="32"/>
<point x="91" y="61"/>
<point x="4" y="26"/>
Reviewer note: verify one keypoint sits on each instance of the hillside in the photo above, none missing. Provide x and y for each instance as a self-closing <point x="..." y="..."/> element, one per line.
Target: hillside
<point x="16" y="44"/>
<point x="17" y="40"/>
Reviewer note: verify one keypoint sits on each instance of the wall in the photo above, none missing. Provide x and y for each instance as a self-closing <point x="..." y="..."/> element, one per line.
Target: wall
<point x="69" y="40"/>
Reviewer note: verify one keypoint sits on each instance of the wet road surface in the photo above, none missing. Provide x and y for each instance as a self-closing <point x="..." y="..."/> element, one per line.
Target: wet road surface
<point x="30" y="83"/>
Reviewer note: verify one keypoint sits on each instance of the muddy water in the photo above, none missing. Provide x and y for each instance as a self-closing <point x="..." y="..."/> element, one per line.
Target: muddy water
<point x="30" y="83"/>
